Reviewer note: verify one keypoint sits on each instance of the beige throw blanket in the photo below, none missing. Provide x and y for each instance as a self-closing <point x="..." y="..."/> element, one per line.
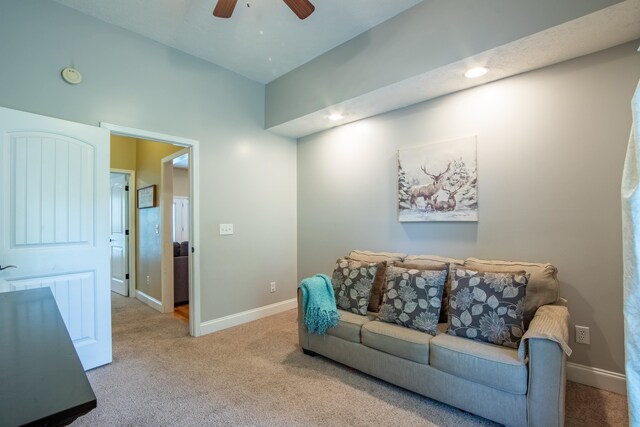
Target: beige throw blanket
<point x="550" y="322"/>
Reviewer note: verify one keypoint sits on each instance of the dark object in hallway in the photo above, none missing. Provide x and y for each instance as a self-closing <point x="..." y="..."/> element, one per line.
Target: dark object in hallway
<point x="181" y="274"/>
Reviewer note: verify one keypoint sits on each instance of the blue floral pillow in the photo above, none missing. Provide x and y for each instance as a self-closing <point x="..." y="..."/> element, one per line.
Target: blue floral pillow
<point x="352" y="282"/>
<point x="413" y="298"/>
<point x="488" y="306"/>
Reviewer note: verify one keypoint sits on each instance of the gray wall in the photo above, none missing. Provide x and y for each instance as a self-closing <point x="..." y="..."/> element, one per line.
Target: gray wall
<point x="551" y="145"/>
<point x="247" y="176"/>
<point x="180" y="182"/>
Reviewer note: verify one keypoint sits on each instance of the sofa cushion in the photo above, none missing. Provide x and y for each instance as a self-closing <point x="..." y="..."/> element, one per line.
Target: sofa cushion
<point x="422" y="265"/>
<point x="352" y="282"/>
<point x="349" y="326"/>
<point x="369" y="256"/>
<point x="433" y="258"/>
<point x="397" y="340"/>
<point x="492" y="365"/>
<point x="487" y="306"/>
<point x="184" y="248"/>
<point x="543" y="284"/>
<point x="413" y="298"/>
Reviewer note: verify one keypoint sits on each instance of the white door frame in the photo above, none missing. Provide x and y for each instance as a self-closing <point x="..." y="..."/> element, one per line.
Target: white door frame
<point x="132" y="228"/>
<point x="166" y="214"/>
<point x="194" y="229"/>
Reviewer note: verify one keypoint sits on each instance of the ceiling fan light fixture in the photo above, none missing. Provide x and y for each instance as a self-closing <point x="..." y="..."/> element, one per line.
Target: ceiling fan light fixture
<point x="224" y="8"/>
<point x="475" y="72"/>
<point x="335" y="117"/>
<point x="302" y="8"/>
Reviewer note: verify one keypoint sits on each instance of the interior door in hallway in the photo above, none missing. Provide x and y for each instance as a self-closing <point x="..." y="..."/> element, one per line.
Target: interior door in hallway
<point x="54" y="222"/>
<point x="119" y="233"/>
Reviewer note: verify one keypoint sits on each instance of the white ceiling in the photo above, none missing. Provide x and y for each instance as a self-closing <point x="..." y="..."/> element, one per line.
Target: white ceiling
<point x="261" y="42"/>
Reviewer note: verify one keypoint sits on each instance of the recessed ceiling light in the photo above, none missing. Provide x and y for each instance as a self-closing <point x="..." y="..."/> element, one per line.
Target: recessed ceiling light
<point x="476" y="72"/>
<point x="335" y="117"/>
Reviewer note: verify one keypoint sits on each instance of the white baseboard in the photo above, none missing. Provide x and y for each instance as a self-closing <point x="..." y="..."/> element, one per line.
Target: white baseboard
<point x="225" y="322"/>
<point x="150" y="301"/>
<point x="595" y="377"/>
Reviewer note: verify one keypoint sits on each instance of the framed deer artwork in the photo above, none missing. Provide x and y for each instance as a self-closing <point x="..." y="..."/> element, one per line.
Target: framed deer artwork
<point x="438" y="182"/>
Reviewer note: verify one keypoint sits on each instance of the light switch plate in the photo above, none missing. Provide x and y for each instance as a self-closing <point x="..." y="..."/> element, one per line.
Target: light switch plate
<point x="226" y="229"/>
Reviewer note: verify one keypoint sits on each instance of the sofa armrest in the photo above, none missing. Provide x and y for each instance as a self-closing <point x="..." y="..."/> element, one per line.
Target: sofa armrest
<point x="547" y="365"/>
<point x="303" y="335"/>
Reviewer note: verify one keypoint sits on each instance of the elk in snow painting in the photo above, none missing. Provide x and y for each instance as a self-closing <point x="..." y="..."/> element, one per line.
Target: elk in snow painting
<point x="438" y="182"/>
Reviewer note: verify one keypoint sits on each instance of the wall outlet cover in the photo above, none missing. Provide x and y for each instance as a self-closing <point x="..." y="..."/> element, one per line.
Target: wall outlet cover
<point x="583" y="335"/>
<point x="226" y="229"/>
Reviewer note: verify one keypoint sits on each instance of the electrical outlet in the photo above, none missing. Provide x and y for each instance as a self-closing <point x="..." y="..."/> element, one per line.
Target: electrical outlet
<point x="273" y="287"/>
<point x="148" y="278"/>
<point x="226" y="229"/>
<point x="582" y="335"/>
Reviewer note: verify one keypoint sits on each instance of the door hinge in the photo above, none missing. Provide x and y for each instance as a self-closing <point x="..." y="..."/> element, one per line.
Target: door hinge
<point x="192" y="250"/>
<point x="126" y="276"/>
<point x="126" y="188"/>
<point x="126" y="232"/>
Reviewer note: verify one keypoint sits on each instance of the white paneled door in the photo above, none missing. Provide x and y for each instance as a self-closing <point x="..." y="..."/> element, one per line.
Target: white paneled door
<point x="119" y="233"/>
<point x="54" y="218"/>
<point x="180" y="219"/>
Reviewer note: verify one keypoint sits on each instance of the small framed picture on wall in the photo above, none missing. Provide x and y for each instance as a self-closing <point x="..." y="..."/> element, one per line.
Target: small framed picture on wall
<point x="147" y="197"/>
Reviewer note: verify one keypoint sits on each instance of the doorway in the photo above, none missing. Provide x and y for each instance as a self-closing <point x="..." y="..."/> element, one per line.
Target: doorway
<point x="175" y="197"/>
<point x="157" y="225"/>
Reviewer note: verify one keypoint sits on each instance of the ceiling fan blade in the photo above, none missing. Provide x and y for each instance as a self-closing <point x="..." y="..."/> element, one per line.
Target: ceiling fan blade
<point x="302" y="8"/>
<point x="224" y="8"/>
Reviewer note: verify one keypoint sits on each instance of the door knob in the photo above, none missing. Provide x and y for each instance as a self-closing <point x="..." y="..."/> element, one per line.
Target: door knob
<point x="7" y="266"/>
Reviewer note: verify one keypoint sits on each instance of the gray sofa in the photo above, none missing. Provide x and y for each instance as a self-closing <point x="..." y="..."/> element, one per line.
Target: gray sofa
<point x="485" y="379"/>
<point x="180" y="273"/>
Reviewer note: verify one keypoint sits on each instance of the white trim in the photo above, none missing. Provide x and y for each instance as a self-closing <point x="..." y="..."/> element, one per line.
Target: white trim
<point x="145" y="134"/>
<point x="150" y="301"/>
<point x="232" y="320"/>
<point x="194" y="210"/>
<point x="132" y="228"/>
<point x="194" y="236"/>
<point x="596" y="377"/>
<point x="166" y="225"/>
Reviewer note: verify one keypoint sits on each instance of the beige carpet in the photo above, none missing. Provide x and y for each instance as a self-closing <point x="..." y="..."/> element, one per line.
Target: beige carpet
<point x="255" y="374"/>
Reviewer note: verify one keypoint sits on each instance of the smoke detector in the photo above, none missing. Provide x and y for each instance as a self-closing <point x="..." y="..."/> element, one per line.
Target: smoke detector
<point x="71" y="76"/>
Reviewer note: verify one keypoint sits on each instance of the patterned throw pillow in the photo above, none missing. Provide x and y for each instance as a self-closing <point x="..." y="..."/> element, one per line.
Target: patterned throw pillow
<point x="413" y="298"/>
<point x="352" y="281"/>
<point x="488" y="306"/>
<point x="433" y="265"/>
<point x="378" y="287"/>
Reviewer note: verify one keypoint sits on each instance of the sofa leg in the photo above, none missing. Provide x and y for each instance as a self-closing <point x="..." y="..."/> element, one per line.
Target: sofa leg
<point x="309" y="352"/>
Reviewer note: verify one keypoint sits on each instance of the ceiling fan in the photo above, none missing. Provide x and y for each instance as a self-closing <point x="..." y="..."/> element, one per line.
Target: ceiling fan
<point x="302" y="8"/>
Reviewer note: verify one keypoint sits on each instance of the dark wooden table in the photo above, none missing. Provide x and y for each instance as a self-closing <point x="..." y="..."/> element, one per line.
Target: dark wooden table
<point x="42" y="382"/>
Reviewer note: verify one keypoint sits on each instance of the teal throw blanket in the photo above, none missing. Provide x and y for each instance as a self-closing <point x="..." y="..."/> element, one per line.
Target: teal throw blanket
<point x="319" y="304"/>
